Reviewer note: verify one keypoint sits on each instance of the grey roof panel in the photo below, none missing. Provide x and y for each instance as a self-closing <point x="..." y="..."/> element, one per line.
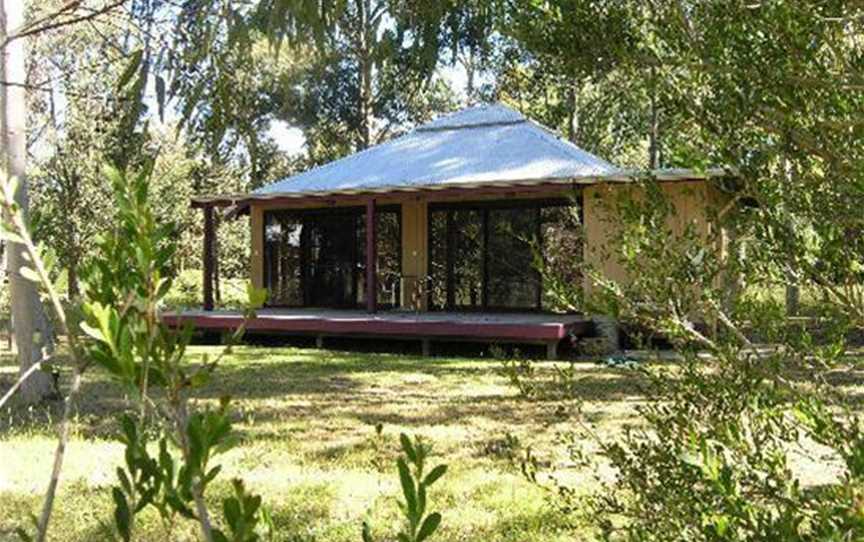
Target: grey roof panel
<point x="486" y="143"/>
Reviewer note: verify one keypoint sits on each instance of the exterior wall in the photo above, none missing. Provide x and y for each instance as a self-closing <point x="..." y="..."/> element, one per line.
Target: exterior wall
<point x="415" y="240"/>
<point x="692" y="200"/>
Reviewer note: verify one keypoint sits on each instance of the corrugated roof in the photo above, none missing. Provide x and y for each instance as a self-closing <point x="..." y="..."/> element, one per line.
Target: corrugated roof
<point x="488" y="143"/>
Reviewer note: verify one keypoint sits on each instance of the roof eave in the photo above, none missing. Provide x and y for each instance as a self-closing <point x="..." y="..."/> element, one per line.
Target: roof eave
<point x="623" y="176"/>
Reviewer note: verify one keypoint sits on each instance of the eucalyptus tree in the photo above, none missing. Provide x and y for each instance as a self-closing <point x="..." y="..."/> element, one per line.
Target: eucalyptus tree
<point x="349" y="74"/>
<point x="32" y="332"/>
<point x="80" y="118"/>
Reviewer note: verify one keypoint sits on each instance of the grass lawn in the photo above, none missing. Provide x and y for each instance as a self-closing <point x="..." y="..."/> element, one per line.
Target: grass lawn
<point x="307" y="420"/>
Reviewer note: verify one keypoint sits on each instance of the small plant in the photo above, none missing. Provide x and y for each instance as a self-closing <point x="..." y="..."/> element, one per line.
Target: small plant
<point x="121" y="333"/>
<point x="415" y="484"/>
<point x="247" y="520"/>
<point x="520" y="372"/>
<point x="378" y="443"/>
<point x="507" y="447"/>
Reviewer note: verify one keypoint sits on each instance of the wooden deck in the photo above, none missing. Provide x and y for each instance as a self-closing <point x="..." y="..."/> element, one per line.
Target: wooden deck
<point x="518" y="328"/>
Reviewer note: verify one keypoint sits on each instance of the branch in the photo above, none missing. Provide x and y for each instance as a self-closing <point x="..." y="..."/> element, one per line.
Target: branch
<point x="23" y="33"/>
<point x="42" y="88"/>
<point x="33" y="368"/>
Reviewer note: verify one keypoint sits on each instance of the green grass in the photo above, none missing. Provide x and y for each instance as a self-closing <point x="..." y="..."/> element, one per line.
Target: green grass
<point x="307" y="420"/>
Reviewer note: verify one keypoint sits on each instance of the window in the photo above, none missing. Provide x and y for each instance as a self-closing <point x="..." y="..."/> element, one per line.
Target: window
<point x="317" y="258"/>
<point x="482" y="254"/>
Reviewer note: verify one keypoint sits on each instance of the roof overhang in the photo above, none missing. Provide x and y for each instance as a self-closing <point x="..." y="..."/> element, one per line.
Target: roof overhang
<point x="462" y="188"/>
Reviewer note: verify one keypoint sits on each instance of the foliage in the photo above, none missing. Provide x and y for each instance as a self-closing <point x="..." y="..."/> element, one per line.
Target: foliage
<point x="415" y="483"/>
<point x="764" y="88"/>
<point x="712" y="459"/>
<point x="124" y="284"/>
<point x="120" y="303"/>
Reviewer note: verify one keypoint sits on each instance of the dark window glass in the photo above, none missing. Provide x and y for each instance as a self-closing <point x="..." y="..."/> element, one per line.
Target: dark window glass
<point x="282" y="259"/>
<point x="483" y="255"/>
<point x="562" y="242"/>
<point x="331" y="266"/>
<point x="514" y="281"/>
<point x="318" y="258"/>
<point x="437" y="262"/>
<point x="389" y="259"/>
<point x="456" y="259"/>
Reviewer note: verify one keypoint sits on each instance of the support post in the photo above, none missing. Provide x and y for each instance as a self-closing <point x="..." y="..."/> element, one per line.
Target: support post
<point x="207" y="256"/>
<point x="371" y="258"/>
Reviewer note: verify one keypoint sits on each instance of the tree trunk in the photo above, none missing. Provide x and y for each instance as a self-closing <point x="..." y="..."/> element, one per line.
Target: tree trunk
<point x="72" y="279"/>
<point x="364" y="54"/>
<point x="469" y="62"/>
<point x="654" y="143"/>
<point x="31" y="328"/>
<point x="573" y="121"/>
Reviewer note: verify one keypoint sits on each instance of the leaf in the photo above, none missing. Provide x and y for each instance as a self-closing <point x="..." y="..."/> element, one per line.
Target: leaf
<point x="131" y="68"/>
<point x="29" y="274"/>
<point x="430" y="525"/>
<point x="113" y="175"/>
<point x="121" y="514"/>
<point x="124" y="480"/>
<point x="256" y="296"/>
<point x="367" y="535"/>
<point x="408" y="489"/>
<point x="407" y="447"/>
<point x="434" y="475"/>
<point x="231" y="509"/>
<point x="6" y="234"/>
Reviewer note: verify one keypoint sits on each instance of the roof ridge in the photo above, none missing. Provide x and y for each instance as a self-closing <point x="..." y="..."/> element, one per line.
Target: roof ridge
<point x="445" y="122"/>
<point x="425" y="128"/>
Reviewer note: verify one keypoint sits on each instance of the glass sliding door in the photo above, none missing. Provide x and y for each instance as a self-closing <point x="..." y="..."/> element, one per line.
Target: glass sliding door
<point x="283" y="259"/>
<point x="513" y="280"/>
<point x="456" y="258"/>
<point x="317" y="258"/>
<point x="332" y="260"/>
<point x="482" y="255"/>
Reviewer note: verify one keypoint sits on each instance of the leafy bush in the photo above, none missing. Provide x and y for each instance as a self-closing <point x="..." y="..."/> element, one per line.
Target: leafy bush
<point x="124" y="285"/>
<point x="713" y="456"/>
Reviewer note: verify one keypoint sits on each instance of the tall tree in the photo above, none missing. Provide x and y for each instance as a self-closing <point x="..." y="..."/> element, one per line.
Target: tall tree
<point x="32" y="334"/>
<point x="350" y="74"/>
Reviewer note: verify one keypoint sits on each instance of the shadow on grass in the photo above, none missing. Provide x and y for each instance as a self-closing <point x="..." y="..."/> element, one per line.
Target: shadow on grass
<point x="278" y="385"/>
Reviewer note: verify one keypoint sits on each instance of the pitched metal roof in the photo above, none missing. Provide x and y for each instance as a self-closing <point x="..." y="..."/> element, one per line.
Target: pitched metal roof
<point x="488" y="143"/>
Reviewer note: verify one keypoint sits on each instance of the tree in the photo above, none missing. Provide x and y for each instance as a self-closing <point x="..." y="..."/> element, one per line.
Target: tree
<point x="31" y="329"/>
<point x="348" y="74"/>
<point x="766" y="88"/>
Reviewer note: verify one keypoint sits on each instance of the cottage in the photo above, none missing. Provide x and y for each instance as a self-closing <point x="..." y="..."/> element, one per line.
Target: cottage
<point x="432" y="235"/>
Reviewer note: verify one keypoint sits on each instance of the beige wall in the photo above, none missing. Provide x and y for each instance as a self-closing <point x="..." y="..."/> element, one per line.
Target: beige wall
<point x="692" y="200"/>
<point x="256" y="222"/>
<point x="415" y="239"/>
